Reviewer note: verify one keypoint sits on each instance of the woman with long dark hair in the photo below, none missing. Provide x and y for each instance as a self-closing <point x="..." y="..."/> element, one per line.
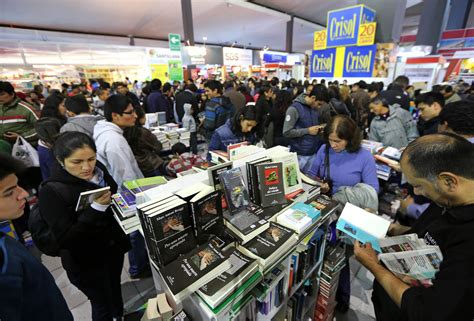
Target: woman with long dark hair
<point x="54" y="107"/>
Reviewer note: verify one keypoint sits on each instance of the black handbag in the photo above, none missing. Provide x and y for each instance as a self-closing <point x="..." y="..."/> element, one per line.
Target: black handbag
<point x="327" y="172"/>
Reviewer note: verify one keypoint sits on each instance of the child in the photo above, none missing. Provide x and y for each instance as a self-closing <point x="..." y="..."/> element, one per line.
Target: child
<point x="190" y="124"/>
<point x="182" y="160"/>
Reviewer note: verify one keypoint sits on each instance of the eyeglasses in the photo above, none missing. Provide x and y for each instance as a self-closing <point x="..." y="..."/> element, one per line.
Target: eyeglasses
<point x="129" y="112"/>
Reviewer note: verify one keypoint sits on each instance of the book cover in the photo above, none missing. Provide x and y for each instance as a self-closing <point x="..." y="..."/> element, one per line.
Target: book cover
<point x="271" y="187"/>
<point x="252" y="178"/>
<point x="235" y="191"/>
<point x="247" y="221"/>
<point x="298" y="217"/>
<point x="270" y="241"/>
<point x="142" y="184"/>
<point x="232" y="147"/>
<point x="323" y="203"/>
<point x="291" y="172"/>
<point x="88" y="197"/>
<point x="214" y="172"/>
<point x="181" y="316"/>
<point x="207" y="216"/>
<point x="125" y="202"/>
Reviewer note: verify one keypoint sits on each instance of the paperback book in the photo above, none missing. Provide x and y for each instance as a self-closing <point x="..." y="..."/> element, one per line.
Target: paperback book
<point x="270" y="185"/>
<point x="88" y="197"/>
<point x="247" y="223"/>
<point x="214" y="171"/>
<point x="235" y="191"/>
<point x="299" y="217"/>
<point x="206" y="211"/>
<point x="291" y="171"/>
<point x="142" y="184"/>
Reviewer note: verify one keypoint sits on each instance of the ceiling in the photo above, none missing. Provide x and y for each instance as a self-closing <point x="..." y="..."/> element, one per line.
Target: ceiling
<point x="253" y="24"/>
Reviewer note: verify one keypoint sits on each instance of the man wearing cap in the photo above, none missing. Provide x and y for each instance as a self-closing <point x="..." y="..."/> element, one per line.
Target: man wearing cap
<point x="392" y="125"/>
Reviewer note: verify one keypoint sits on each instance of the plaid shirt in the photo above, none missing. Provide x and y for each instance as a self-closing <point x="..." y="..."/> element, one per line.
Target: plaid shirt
<point x="183" y="163"/>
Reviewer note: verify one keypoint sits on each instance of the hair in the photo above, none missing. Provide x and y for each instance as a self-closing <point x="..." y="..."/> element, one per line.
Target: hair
<point x="166" y="87"/>
<point x="345" y="92"/>
<point x="373" y="87"/>
<point x="214" y="85"/>
<point x="448" y="89"/>
<point x="119" y="84"/>
<point x="179" y="148"/>
<point x="402" y="81"/>
<point x="249" y="112"/>
<point x="320" y="92"/>
<point x="229" y="84"/>
<point x="134" y="133"/>
<point x="51" y="107"/>
<point x="333" y="92"/>
<point x="263" y="89"/>
<point x="47" y="129"/>
<point x="379" y="99"/>
<point x="77" y="104"/>
<point x="431" y="155"/>
<point x="6" y="87"/>
<point x="191" y="87"/>
<point x="283" y="100"/>
<point x="299" y="90"/>
<point x="459" y="116"/>
<point x="68" y="142"/>
<point x="115" y="104"/>
<point x="243" y="90"/>
<point x="155" y="84"/>
<point x="361" y="84"/>
<point x="10" y="165"/>
<point x="345" y="128"/>
<point x="430" y="98"/>
<point x="274" y="81"/>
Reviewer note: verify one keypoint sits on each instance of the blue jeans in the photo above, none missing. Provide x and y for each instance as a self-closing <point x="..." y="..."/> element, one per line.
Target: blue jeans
<point x="137" y="256"/>
<point x="305" y="162"/>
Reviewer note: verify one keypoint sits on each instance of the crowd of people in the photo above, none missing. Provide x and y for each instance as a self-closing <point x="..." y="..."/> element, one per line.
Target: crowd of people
<point x="95" y="135"/>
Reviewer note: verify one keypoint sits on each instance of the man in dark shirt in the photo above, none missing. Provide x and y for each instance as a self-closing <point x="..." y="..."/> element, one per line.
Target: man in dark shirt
<point x="438" y="167"/>
<point x="430" y="105"/>
<point x="27" y="289"/>
<point x="396" y="92"/>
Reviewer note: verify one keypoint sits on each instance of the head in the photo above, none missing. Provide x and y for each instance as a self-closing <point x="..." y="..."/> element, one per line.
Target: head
<point x="118" y="109"/>
<point x="167" y="89"/>
<point x="121" y="88"/>
<point x="379" y="105"/>
<point x="245" y="121"/>
<point x="283" y="100"/>
<point x="178" y="149"/>
<point x="77" y="105"/>
<point x="439" y="167"/>
<point x="411" y="91"/>
<point x="275" y="81"/>
<point x="345" y="92"/>
<point x="373" y="90"/>
<point x="317" y="97"/>
<point x="334" y="92"/>
<point x="47" y="129"/>
<point x="447" y="91"/>
<point x="103" y="94"/>
<point x="430" y="105"/>
<point x="266" y="91"/>
<point x="54" y="107"/>
<point x="12" y="196"/>
<point x="155" y="85"/>
<point x="7" y="92"/>
<point x="213" y="88"/>
<point x="457" y="118"/>
<point x="38" y="89"/>
<point x="76" y="89"/>
<point x="342" y="134"/>
<point x="192" y="87"/>
<point x="229" y="84"/>
<point x="251" y="83"/>
<point x="402" y="81"/>
<point x="76" y="153"/>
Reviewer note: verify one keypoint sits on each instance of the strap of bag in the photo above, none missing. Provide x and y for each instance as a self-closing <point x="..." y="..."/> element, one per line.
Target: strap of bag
<point x="327" y="170"/>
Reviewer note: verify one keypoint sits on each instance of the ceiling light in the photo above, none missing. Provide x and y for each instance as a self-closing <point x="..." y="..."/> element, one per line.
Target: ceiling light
<point x="204" y="38"/>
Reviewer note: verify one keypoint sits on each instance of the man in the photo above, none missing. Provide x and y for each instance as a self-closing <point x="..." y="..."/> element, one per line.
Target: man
<point x="458" y="118"/>
<point x="79" y="116"/>
<point x="156" y="101"/>
<point x="440" y="168"/>
<point x="449" y="95"/>
<point x="28" y="291"/>
<point x="187" y="96"/>
<point x="114" y="152"/>
<point x="236" y="98"/>
<point x="361" y="102"/>
<point x="99" y="100"/>
<point x="122" y="89"/>
<point x="17" y="118"/>
<point x="218" y="108"/>
<point x="396" y="93"/>
<point x="168" y="95"/>
<point x="392" y="125"/>
<point x="430" y="105"/>
<point x="75" y="90"/>
<point x="302" y="125"/>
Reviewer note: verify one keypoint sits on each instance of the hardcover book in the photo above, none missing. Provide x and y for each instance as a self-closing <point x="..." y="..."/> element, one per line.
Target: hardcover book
<point x="270" y="185"/>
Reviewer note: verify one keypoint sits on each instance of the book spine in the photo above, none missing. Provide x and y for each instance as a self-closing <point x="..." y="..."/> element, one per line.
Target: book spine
<point x="192" y="207"/>
<point x="260" y="189"/>
<point x="249" y="180"/>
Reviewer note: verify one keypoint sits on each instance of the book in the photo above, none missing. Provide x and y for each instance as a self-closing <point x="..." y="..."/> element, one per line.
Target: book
<point x="247" y="223"/>
<point x="125" y="202"/>
<point x="151" y="312"/>
<point x="214" y="171"/>
<point x="206" y="213"/>
<point x="87" y="198"/>
<point x="217" y="290"/>
<point x="142" y="184"/>
<point x="189" y="272"/>
<point x="252" y="178"/>
<point x="323" y="203"/>
<point x="270" y="185"/>
<point x="163" y="306"/>
<point x="291" y="171"/>
<point x="362" y="225"/>
<point x="187" y="172"/>
<point x="181" y="316"/>
<point x="299" y="217"/>
<point x="218" y="156"/>
<point x="231" y="149"/>
<point x="270" y="245"/>
<point x="235" y="191"/>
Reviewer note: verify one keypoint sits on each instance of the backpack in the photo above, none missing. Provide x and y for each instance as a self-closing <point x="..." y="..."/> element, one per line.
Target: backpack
<point x="41" y="232"/>
<point x="338" y="108"/>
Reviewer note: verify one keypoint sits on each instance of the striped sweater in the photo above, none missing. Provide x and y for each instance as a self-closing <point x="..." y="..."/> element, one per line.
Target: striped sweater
<point x="20" y="118"/>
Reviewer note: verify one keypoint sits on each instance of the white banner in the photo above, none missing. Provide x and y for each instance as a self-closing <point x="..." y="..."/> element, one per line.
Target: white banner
<point x="237" y="56"/>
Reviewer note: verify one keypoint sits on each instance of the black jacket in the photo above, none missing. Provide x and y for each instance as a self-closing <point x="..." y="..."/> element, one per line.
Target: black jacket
<point x="428" y="127"/>
<point x="396" y="95"/>
<point x="85" y="236"/>
<point x="452" y="295"/>
<point x="185" y="97"/>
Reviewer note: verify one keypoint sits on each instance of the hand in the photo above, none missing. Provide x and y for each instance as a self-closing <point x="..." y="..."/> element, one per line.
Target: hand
<point x="11" y="136"/>
<point x="405" y="203"/>
<point x="104" y="199"/>
<point x="365" y="254"/>
<point x="324" y="187"/>
<point x="314" y="130"/>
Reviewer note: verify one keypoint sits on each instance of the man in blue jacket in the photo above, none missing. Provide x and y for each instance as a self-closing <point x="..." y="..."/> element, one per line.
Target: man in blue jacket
<point x="27" y="289"/>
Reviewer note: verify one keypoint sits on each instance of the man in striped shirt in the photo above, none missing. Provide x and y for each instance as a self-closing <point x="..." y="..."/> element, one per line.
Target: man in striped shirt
<point x="17" y="118"/>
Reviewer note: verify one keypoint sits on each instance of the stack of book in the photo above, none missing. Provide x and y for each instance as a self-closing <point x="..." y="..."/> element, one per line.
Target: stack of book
<point x="299" y="217"/>
<point x="333" y="263"/>
<point x="173" y="137"/>
<point x="170" y="127"/>
<point x="383" y="171"/>
<point x="292" y="176"/>
<point x="372" y="146"/>
<point x="389" y="158"/>
<point x="162" y="138"/>
<point x="184" y="136"/>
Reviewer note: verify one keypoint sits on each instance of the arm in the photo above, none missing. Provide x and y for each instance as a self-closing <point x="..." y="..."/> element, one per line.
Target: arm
<point x="410" y="127"/>
<point x="318" y="160"/>
<point x="397" y="229"/>
<point x="215" y="144"/>
<point x="123" y="166"/>
<point x="289" y="130"/>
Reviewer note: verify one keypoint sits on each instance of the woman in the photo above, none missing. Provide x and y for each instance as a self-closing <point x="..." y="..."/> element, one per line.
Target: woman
<point x="346" y="99"/>
<point x="145" y="146"/>
<point x="283" y="100"/>
<point x="349" y="174"/>
<point x="54" y="107"/>
<point x="240" y="128"/>
<point x="47" y="130"/>
<point x="92" y="245"/>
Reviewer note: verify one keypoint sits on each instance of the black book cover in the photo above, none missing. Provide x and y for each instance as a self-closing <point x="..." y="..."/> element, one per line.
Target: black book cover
<point x="270" y="241"/>
<point x="189" y="268"/>
<point x="272" y="191"/>
<point x="247" y="220"/>
<point x="173" y="233"/>
<point x="149" y="238"/>
<point x="239" y="263"/>
<point x="181" y="316"/>
<point x="207" y="216"/>
<point x="252" y="180"/>
<point x="323" y="203"/>
<point x="214" y="171"/>
<point x="235" y="191"/>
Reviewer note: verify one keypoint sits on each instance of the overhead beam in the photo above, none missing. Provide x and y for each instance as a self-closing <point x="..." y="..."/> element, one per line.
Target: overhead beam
<point x="289" y="35"/>
<point x="187" y="12"/>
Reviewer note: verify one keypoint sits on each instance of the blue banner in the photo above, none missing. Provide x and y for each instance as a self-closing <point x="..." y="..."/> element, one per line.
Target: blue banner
<point x="274" y="58"/>
<point x="359" y="61"/>
<point x="368" y="15"/>
<point x="323" y="63"/>
<point x="343" y="26"/>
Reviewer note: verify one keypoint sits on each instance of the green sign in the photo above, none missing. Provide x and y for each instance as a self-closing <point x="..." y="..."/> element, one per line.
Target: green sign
<point x="175" y="68"/>
<point x="174" y="41"/>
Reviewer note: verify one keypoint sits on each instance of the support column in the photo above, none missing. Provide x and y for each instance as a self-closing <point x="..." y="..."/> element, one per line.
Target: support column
<point x="431" y="23"/>
<point x="289" y="35"/>
<point x="186" y="10"/>
<point x="458" y="14"/>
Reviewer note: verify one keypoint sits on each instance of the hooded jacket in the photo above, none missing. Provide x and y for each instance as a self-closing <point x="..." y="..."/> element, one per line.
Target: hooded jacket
<point x="81" y="123"/>
<point x="146" y="150"/>
<point x="188" y="120"/>
<point x="225" y="136"/>
<point x="20" y="118"/>
<point x="114" y="152"/>
<point x="184" y="97"/>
